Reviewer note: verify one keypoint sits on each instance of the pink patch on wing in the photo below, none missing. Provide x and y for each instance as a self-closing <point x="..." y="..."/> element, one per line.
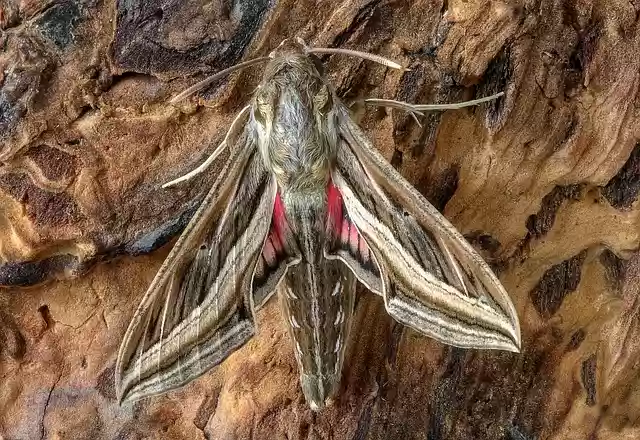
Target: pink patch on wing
<point x="334" y="207"/>
<point x="278" y="223"/>
<point x="340" y="224"/>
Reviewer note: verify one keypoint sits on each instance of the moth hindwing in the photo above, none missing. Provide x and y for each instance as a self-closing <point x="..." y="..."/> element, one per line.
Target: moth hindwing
<point x="305" y="206"/>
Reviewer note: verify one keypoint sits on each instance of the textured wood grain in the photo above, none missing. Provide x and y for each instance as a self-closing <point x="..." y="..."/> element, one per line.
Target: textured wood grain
<point x="544" y="182"/>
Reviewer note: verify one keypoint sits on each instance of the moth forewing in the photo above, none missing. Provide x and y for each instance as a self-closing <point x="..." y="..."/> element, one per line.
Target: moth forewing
<point x="424" y="293"/>
<point x="436" y="308"/>
<point x="209" y="269"/>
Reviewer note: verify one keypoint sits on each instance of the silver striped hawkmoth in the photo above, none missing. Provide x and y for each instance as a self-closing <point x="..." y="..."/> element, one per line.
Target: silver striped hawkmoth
<point x="306" y="205"/>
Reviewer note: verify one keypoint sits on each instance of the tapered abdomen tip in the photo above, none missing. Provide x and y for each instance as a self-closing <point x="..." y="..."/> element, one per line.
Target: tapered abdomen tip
<point x="319" y="390"/>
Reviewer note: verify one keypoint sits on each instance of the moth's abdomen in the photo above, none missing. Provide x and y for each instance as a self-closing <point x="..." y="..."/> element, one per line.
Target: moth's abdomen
<point x="318" y="311"/>
<point x="317" y="297"/>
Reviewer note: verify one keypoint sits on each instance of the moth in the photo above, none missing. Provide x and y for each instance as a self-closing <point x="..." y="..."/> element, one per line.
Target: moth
<point x="306" y="206"/>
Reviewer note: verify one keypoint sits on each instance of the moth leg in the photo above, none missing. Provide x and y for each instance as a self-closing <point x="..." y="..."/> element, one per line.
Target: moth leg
<point x="418" y="108"/>
<point x="214" y="155"/>
<point x="392" y="104"/>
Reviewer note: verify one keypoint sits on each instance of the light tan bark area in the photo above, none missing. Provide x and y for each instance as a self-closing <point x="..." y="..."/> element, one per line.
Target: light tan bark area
<point x="544" y="182"/>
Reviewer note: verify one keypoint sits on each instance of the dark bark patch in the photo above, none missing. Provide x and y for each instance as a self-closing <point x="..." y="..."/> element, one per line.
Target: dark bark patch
<point x="105" y="384"/>
<point x="58" y="23"/>
<point x="614" y="268"/>
<point x="141" y="46"/>
<point x="44" y="208"/>
<point x="588" y="376"/>
<point x="444" y="186"/>
<point x="411" y="84"/>
<point x="622" y="190"/>
<point x="54" y="163"/>
<point x="492" y="393"/>
<point x="51" y="209"/>
<point x="448" y="395"/>
<point x="436" y="424"/>
<point x="393" y="343"/>
<point x="580" y="59"/>
<point x="354" y="85"/>
<point x="426" y="142"/>
<point x="409" y="90"/>
<point x="556" y="283"/>
<point x="576" y="340"/>
<point x="10" y="114"/>
<point x="14" y="185"/>
<point x="485" y="241"/>
<point x="158" y="237"/>
<point x="489" y="247"/>
<point x="34" y="272"/>
<point x="496" y="79"/>
<point x="423" y="84"/>
<point x="540" y="223"/>
<point x="27" y="65"/>
<point x="45" y="314"/>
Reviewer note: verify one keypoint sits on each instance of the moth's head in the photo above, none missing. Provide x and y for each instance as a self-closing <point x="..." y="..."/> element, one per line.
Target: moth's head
<point x="291" y="60"/>
<point x="290" y="46"/>
<point x="293" y="84"/>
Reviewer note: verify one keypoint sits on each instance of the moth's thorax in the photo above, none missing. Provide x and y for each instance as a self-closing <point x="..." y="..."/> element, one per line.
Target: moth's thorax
<point x="294" y="116"/>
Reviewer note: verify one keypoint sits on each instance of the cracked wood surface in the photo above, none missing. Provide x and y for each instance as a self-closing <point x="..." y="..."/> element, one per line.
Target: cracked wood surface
<point x="544" y="182"/>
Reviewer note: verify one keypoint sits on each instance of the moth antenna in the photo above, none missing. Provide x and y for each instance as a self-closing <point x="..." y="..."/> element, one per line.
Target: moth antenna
<point x="354" y="53"/>
<point x="394" y="104"/>
<point x="214" y="155"/>
<point x="216" y="76"/>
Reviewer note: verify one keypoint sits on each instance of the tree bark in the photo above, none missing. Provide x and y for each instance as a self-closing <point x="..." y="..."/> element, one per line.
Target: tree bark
<point x="543" y="182"/>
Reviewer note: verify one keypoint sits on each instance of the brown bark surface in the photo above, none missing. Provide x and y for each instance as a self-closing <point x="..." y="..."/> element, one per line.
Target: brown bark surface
<point x="544" y="183"/>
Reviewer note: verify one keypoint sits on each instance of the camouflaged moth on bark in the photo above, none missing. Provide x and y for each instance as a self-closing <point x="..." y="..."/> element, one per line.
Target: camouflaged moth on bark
<point x="305" y="206"/>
